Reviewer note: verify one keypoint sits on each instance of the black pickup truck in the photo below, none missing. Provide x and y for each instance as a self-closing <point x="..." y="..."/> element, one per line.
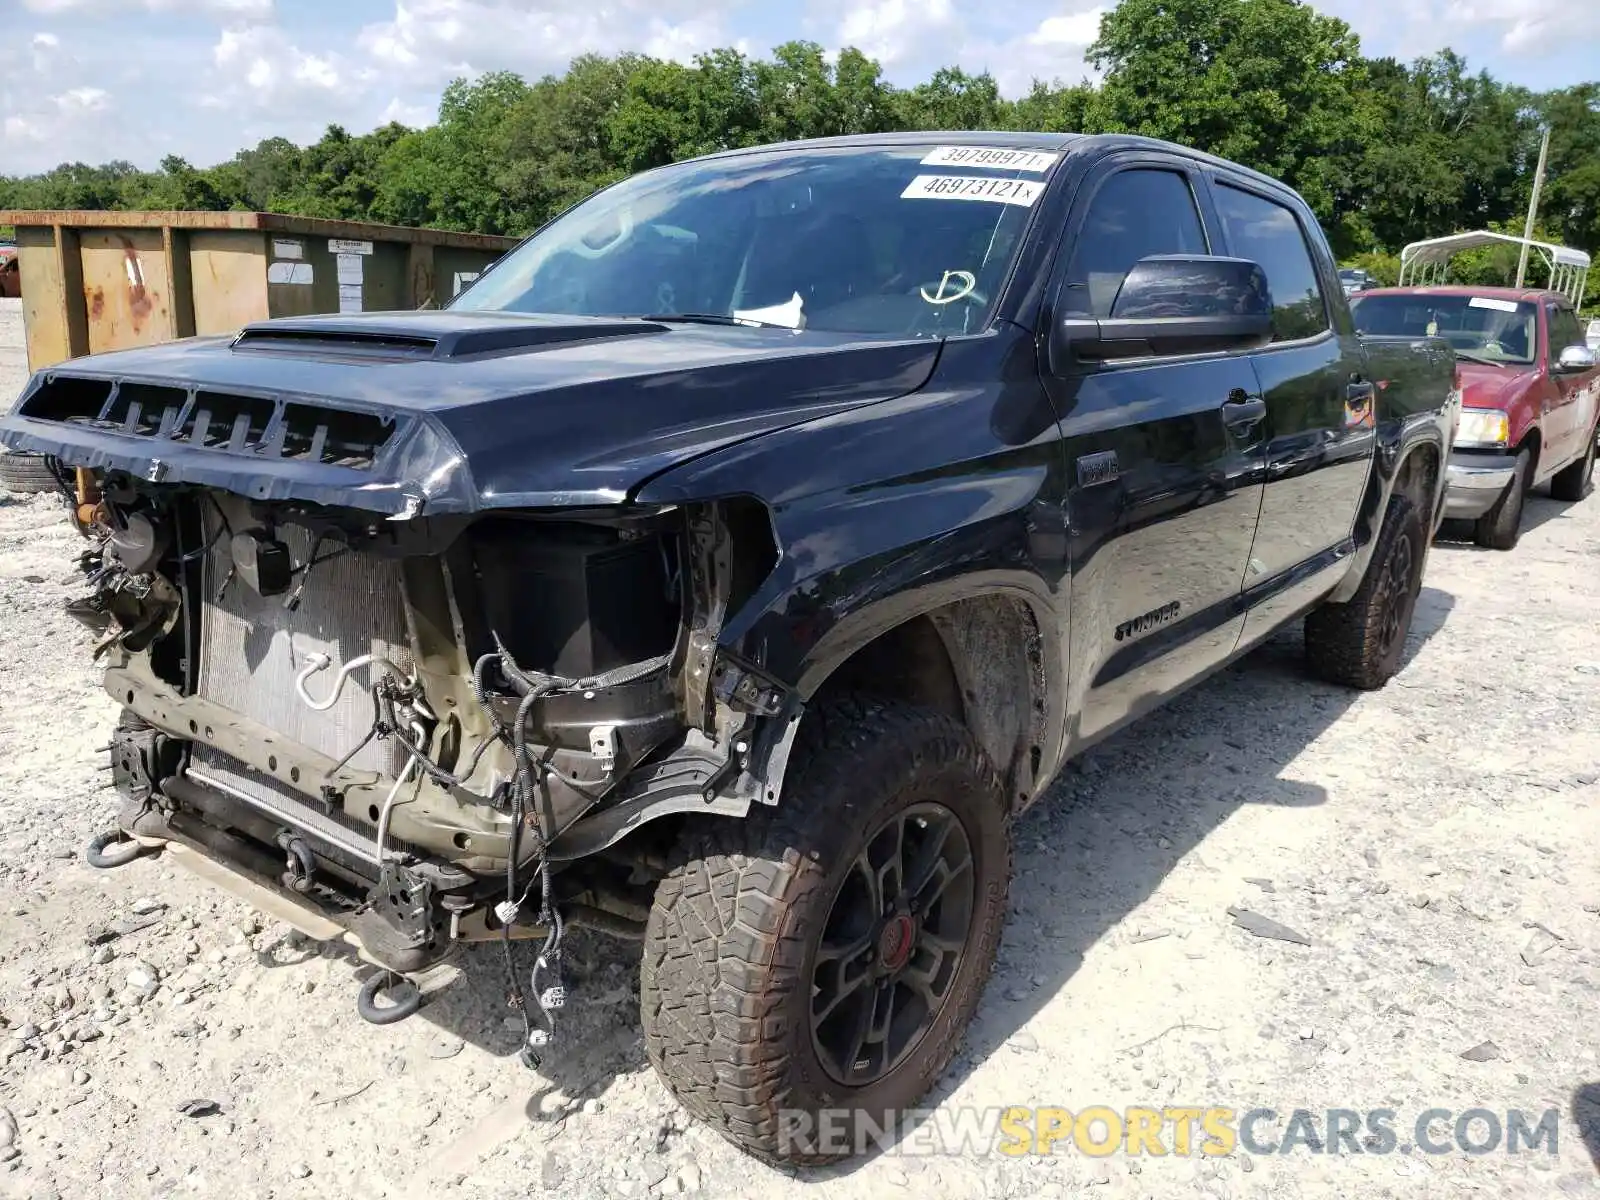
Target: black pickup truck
<point x="730" y="564"/>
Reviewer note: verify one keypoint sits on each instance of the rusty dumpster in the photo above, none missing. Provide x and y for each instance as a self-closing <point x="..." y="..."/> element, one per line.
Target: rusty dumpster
<point x="94" y="281"/>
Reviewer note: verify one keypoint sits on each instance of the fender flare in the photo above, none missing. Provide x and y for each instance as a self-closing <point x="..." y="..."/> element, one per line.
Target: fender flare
<point x="860" y="627"/>
<point x="1397" y="442"/>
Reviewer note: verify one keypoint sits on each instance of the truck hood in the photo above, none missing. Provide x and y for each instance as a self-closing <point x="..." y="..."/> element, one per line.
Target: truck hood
<point x="403" y="413"/>
<point x="1485" y="386"/>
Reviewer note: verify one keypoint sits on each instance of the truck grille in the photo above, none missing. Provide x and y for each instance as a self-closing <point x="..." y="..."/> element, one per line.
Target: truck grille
<point x="217" y="420"/>
<point x="252" y="647"/>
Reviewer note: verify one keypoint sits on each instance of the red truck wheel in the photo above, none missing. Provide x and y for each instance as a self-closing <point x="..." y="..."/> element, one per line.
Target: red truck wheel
<point x="1501" y="526"/>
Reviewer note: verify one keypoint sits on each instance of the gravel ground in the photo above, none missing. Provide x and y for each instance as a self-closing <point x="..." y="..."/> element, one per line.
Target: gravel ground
<point x="1434" y="843"/>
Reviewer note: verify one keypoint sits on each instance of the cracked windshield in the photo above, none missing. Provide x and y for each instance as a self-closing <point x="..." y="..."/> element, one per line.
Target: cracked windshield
<point x="905" y="240"/>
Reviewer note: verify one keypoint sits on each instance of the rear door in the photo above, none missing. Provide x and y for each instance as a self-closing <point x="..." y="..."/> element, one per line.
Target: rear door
<point x="1321" y="406"/>
<point x="1163" y="493"/>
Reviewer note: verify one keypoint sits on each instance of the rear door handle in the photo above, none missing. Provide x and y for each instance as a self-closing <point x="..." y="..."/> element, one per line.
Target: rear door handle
<point x="1241" y="409"/>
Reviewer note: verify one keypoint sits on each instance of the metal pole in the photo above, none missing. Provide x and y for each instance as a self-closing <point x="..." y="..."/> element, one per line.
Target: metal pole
<point x="1533" y="205"/>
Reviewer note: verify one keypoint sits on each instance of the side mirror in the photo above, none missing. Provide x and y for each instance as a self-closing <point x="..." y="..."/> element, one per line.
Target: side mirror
<point x="1175" y="304"/>
<point x="1576" y="358"/>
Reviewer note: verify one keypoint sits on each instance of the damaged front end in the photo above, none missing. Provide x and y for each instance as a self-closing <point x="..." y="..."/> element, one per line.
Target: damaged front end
<point x="424" y="729"/>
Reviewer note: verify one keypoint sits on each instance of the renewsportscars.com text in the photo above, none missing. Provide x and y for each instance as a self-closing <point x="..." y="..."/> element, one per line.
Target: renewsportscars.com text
<point x="1100" y="1131"/>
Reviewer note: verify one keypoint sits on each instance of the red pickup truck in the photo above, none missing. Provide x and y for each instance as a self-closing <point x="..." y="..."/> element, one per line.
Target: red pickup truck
<point x="1530" y="390"/>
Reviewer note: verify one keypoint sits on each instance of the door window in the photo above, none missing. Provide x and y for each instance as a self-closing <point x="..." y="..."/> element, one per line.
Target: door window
<point x="1268" y="234"/>
<point x="1564" y="331"/>
<point x="1135" y="214"/>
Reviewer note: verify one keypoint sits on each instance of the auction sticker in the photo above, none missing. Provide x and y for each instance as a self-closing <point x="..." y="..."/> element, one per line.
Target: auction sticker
<point x="994" y="157"/>
<point x="973" y="187"/>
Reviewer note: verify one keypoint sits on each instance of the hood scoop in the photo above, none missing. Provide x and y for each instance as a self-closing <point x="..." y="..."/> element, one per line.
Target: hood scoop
<point x="428" y="336"/>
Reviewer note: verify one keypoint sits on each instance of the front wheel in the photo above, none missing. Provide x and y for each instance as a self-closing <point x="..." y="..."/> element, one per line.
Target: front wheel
<point x="826" y="955"/>
<point x="1501" y="526"/>
<point x="1360" y="643"/>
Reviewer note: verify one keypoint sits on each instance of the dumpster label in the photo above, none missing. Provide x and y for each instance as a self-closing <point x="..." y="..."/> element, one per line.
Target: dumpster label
<point x="345" y="246"/>
<point x="350" y="272"/>
<point x="287" y="249"/>
<point x="289" y="272"/>
<point x="349" y="268"/>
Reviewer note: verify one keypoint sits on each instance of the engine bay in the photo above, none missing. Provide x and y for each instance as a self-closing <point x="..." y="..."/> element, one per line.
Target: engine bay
<point x="428" y="730"/>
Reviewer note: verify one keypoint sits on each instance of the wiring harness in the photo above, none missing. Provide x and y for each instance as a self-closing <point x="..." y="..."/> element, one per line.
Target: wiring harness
<point x="397" y="705"/>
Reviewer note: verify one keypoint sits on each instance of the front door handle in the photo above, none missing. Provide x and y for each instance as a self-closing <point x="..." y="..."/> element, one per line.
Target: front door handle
<point x="1241" y="409"/>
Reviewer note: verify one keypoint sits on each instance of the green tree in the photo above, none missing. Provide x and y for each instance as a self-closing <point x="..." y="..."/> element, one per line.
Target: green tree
<point x="952" y="99"/>
<point x="1269" y="83"/>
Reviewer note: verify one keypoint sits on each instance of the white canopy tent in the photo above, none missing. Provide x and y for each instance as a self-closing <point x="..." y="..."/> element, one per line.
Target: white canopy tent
<point x="1427" y="262"/>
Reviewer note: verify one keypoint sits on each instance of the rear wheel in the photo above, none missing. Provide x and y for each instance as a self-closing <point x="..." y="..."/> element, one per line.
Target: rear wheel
<point x="1572" y="481"/>
<point x="1360" y="643"/>
<point x="1501" y="526"/>
<point x="827" y="954"/>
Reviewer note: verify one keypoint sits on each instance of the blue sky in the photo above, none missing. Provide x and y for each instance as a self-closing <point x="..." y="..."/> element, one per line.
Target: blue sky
<point x="93" y="80"/>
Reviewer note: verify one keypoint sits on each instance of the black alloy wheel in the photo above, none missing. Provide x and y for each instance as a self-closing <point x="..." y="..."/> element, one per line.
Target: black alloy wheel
<point x="1397" y="596"/>
<point x="892" y="944"/>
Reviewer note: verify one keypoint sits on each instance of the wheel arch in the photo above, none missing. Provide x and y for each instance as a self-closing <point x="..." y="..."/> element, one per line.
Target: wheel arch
<point x="1412" y="465"/>
<point x="984" y="657"/>
<point x="1532" y="441"/>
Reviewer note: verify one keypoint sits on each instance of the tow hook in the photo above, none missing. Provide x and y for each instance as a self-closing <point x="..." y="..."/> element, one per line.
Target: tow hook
<point x="111" y="849"/>
<point x="404" y="1002"/>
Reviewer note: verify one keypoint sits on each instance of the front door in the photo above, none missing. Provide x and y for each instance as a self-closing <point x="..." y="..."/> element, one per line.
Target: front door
<point x="1320" y="425"/>
<point x="1162" y="491"/>
<point x="1571" y="395"/>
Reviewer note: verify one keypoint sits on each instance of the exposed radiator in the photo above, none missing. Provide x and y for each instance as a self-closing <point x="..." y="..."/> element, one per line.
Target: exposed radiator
<point x="252" y="647"/>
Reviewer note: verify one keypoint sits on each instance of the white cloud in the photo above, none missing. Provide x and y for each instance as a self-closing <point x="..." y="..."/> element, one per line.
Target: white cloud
<point x="43" y="48"/>
<point x="1016" y="44"/>
<point x="276" y="73"/>
<point x="1051" y="50"/>
<point x="56" y="116"/>
<point x="1072" y="31"/>
<point x="236" y="9"/>
<point x="1530" y="26"/>
<point x="897" y="31"/>
<point x="432" y="41"/>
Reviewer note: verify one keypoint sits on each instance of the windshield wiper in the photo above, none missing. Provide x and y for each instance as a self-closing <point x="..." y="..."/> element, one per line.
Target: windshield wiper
<point x="1480" y="358"/>
<point x="713" y="319"/>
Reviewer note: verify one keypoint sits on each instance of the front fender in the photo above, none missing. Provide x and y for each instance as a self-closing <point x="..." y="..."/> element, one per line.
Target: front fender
<point x="852" y="567"/>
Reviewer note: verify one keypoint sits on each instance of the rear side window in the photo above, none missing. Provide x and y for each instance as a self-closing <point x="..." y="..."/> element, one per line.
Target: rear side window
<point x="1268" y="234"/>
<point x="1135" y="214"/>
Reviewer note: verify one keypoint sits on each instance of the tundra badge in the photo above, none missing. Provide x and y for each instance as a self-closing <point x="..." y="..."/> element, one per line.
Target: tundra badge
<point x="1098" y="468"/>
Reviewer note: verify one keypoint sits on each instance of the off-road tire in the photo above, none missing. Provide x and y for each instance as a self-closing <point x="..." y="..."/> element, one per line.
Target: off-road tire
<point x="1501" y="526"/>
<point x="1572" y="482"/>
<point x="730" y="945"/>
<point x="25" y="473"/>
<point x="1360" y="643"/>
